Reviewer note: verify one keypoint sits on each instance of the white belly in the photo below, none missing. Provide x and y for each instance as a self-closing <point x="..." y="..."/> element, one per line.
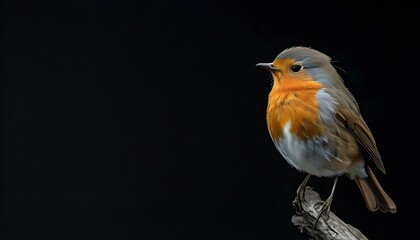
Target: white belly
<point x="310" y="156"/>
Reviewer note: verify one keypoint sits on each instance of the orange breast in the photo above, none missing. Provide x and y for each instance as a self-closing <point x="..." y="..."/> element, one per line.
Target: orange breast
<point x="293" y="100"/>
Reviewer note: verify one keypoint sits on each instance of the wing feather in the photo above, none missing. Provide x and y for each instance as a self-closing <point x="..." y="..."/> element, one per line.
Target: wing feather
<point x="355" y="123"/>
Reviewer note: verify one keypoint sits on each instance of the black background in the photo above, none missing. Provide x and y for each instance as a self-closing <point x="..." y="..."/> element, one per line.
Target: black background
<point x="146" y="120"/>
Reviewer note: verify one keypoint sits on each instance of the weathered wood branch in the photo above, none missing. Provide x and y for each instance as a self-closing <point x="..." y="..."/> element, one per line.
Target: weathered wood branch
<point x="327" y="227"/>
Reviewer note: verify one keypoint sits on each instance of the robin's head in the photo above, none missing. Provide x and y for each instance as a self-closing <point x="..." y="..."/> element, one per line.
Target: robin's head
<point x="302" y="64"/>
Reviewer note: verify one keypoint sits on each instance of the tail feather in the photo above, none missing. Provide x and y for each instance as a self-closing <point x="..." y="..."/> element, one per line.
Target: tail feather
<point x="374" y="195"/>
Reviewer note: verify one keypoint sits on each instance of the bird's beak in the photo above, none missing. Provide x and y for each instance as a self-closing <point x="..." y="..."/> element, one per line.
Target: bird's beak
<point x="266" y="66"/>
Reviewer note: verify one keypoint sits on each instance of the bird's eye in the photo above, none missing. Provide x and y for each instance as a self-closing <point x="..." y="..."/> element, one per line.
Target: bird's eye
<point x="296" y="68"/>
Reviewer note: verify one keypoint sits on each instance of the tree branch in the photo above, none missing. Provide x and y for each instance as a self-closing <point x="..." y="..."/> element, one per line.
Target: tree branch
<point x="330" y="228"/>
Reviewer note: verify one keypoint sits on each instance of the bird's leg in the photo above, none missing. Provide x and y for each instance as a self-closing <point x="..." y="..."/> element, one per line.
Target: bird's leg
<point x="301" y="191"/>
<point x="327" y="203"/>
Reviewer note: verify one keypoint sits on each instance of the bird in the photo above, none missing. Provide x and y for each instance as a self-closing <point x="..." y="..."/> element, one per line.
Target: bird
<point x="316" y="125"/>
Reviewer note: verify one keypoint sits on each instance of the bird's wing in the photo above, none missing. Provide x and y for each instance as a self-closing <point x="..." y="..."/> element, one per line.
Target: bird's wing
<point x="355" y="123"/>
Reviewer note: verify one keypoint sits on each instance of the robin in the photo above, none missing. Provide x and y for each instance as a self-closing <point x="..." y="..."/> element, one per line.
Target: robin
<point x="316" y="124"/>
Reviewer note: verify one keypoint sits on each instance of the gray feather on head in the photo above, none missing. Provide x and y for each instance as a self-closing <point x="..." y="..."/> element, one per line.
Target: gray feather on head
<point x="316" y="63"/>
<point x="310" y="58"/>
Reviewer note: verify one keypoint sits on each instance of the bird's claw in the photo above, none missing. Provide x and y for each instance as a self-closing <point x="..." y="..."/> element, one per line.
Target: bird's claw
<point x="298" y="201"/>
<point x="325" y="210"/>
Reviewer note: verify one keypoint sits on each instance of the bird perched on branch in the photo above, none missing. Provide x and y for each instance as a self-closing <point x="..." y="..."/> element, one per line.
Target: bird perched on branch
<point x="316" y="125"/>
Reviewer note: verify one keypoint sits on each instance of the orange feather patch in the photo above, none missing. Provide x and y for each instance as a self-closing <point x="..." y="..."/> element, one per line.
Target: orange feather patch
<point x="293" y="99"/>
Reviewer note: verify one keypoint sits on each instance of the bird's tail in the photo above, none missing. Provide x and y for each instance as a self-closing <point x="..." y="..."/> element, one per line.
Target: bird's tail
<point x="375" y="197"/>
